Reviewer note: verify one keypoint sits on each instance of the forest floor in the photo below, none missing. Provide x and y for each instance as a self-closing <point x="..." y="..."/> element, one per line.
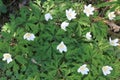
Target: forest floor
<point x="13" y="7"/>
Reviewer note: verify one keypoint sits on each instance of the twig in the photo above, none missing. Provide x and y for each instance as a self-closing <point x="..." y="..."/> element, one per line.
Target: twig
<point x="112" y="25"/>
<point x="11" y="3"/>
<point x="35" y="62"/>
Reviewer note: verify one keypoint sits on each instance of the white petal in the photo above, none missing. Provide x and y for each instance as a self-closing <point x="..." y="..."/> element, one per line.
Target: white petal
<point x="65" y="49"/>
<point x="116" y="40"/>
<point x="85" y="6"/>
<point x="92" y="8"/>
<point x="108" y="72"/>
<point x="91" y="13"/>
<point x="87" y="69"/>
<point x="4" y="59"/>
<point x="60" y="50"/>
<point x="88" y="14"/>
<point x="110" y="39"/>
<point x="78" y="70"/>
<point x="110" y="68"/>
<point x="88" y="35"/>
<point x="48" y="16"/>
<point x="84" y="65"/>
<point x="84" y="72"/>
<point x="64" y="25"/>
<point x="9" y="60"/>
<point x="105" y="73"/>
<point x="57" y="47"/>
<point x="116" y="44"/>
<point x="89" y="5"/>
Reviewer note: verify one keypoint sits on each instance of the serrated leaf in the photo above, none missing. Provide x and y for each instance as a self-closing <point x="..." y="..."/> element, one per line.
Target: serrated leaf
<point x="21" y="59"/>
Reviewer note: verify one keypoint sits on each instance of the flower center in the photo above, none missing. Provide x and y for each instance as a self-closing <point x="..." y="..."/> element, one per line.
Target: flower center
<point x="112" y="43"/>
<point x="88" y="10"/>
<point x="105" y="69"/>
<point x="111" y="15"/>
<point x="82" y="68"/>
<point x="69" y="14"/>
<point x="61" y="46"/>
<point x="28" y="35"/>
<point x="7" y="56"/>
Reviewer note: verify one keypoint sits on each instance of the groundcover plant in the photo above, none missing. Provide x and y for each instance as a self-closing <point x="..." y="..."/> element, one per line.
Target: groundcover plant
<point x="60" y="40"/>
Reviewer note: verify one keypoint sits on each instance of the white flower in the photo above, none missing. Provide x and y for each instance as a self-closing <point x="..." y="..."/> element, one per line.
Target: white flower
<point x="83" y="69"/>
<point x="70" y="14"/>
<point x="29" y="36"/>
<point x="114" y="42"/>
<point x="88" y="10"/>
<point x="7" y="57"/>
<point x="64" y="25"/>
<point x="48" y="16"/>
<point x="111" y="15"/>
<point x="62" y="47"/>
<point x="88" y="35"/>
<point x="106" y="70"/>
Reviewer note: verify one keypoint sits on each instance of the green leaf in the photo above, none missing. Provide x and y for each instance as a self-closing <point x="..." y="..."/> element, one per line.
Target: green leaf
<point x="21" y="59"/>
<point x="3" y="8"/>
<point x="107" y="4"/>
<point x="99" y="30"/>
<point x="9" y="73"/>
<point x="23" y="67"/>
<point x="16" y="68"/>
<point x="84" y="21"/>
<point x="3" y="78"/>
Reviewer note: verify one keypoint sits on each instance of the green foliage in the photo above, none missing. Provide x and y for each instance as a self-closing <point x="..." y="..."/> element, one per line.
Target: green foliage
<point x="40" y="60"/>
<point x="3" y="8"/>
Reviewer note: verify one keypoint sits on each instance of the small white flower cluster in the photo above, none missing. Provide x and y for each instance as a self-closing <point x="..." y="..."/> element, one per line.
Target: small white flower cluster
<point x="70" y="14"/>
<point x="111" y="42"/>
<point x="61" y="47"/>
<point x="7" y="56"/>
<point x="88" y="10"/>
<point x="84" y="70"/>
